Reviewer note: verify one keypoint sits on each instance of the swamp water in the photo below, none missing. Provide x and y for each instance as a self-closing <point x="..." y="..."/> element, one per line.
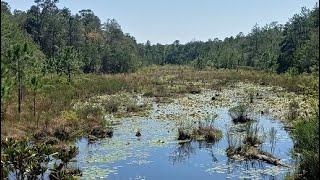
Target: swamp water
<point x="157" y="154"/>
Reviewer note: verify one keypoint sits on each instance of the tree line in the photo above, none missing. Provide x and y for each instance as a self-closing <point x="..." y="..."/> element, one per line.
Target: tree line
<point x="46" y="39"/>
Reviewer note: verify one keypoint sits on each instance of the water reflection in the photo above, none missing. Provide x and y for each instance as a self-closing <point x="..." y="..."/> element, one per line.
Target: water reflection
<point x="185" y="150"/>
<point x="182" y="152"/>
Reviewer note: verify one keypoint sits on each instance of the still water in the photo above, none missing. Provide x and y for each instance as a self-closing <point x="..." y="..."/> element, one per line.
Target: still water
<point x="156" y="154"/>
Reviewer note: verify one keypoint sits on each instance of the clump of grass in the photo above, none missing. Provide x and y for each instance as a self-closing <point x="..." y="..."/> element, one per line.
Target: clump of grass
<point x="183" y="134"/>
<point x="101" y="132"/>
<point x="193" y="89"/>
<point x="249" y="148"/>
<point x="251" y="137"/>
<point x="89" y="111"/>
<point x="239" y="114"/>
<point x="204" y="131"/>
<point x="251" y="93"/>
<point x="112" y="105"/>
<point x="133" y="107"/>
<point x="293" y="110"/>
<point x="148" y="92"/>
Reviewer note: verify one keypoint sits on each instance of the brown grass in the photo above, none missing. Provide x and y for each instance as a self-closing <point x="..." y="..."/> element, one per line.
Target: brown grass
<point x="162" y="82"/>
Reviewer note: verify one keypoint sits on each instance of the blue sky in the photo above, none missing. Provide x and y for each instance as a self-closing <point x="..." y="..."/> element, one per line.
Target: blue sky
<point x="163" y="21"/>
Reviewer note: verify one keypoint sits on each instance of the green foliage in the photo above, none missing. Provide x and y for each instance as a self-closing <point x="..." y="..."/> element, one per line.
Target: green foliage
<point x="30" y="161"/>
<point x="68" y="62"/>
<point x="306" y="135"/>
<point x="23" y="159"/>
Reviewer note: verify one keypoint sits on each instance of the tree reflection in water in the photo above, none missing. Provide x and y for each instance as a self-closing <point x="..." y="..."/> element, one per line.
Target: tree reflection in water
<point x="185" y="149"/>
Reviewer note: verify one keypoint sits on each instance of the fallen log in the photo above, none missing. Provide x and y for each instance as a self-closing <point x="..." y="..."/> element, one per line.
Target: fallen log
<point x="252" y="152"/>
<point x="270" y="160"/>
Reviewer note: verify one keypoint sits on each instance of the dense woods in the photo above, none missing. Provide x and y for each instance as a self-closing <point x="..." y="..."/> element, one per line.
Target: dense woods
<point x="102" y="47"/>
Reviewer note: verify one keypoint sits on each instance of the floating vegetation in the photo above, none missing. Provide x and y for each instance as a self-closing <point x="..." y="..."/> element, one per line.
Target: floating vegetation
<point x="158" y="147"/>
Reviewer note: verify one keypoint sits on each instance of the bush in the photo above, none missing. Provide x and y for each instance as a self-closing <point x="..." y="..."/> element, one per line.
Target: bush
<point x="90" y="111"/>
<point x="69" y="115"/>
<point x="30" y="161"/>
<point x="306" y="136"/>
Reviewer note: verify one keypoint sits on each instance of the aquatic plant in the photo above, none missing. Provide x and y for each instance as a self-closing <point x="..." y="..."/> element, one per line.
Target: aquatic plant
<point x="240" y="113"/>
<point x="251" y="135"/>
<point x="251" y="92"/>
<point x="272" y="138"/>
<point x="183" y="134"/>
<point x="24" y="160"/>
<point x="102" y="132"/>
<point x="204" y="131"/>
<point x="61" y="170"/>
<point x="249" y="148"/>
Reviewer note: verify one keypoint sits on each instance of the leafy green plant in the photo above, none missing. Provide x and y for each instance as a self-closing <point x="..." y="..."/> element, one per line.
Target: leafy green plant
<point x="306" y="136"/>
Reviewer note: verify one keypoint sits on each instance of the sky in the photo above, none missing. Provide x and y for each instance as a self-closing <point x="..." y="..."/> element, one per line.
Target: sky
<point x="164" y="21"/>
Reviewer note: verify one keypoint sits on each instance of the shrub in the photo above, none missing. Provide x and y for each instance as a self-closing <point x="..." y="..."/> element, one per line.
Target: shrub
<point x="30" y="161"/>
<point x="306" y="136"/>
<point x="70" y="116"/>
<point x="90" y="111"/>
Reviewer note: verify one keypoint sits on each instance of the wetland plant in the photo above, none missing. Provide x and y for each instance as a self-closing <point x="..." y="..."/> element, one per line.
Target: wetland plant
<point x="193" y="89"/>
<point x="293" y="110"/>
<point x="23" y="160"/>
<point x="204" y="131"/>
<point x="183" y="134"/>
<point x="239" y="114"/>
<point x="252" y="137"/>
<point x="112" y="106"/>
<point x="61" y="170"/>
<point x="101" y="132"/>
<point x="249" y="148"/>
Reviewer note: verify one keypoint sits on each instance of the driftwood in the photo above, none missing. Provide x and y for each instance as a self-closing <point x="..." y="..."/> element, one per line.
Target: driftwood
<point x="270" y="160"/>
<point x="252" y="152"/>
